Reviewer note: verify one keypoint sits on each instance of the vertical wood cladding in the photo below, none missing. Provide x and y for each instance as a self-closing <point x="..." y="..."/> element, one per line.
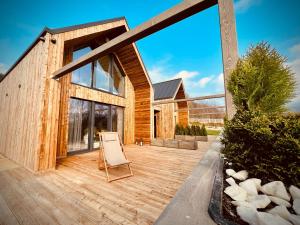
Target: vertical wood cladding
<point x="22" y="95"/>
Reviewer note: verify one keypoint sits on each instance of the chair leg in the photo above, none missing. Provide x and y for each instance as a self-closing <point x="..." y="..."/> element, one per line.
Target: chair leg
<point x="121" y="177"/>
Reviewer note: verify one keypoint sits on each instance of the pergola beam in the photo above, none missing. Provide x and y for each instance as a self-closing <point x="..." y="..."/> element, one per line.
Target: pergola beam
<point x="165" y="19"/>
<point x="189" y="99"/>
<point x="202" y="108"/>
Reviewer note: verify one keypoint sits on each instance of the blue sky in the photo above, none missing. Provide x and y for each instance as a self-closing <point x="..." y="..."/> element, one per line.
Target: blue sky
<point x="190" y="49"/>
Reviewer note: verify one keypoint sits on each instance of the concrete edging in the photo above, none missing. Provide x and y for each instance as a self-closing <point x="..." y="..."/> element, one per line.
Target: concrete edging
<point x="189" y="205"/>
<point x="215" y="205"/>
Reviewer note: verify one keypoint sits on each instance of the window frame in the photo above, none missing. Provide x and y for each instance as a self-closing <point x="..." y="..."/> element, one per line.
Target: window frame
<point x="91" y="123"/>
<point x="112" y="59"/>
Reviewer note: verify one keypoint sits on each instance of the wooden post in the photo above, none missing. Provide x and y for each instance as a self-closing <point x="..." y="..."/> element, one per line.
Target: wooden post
<point x="229" y="48"/>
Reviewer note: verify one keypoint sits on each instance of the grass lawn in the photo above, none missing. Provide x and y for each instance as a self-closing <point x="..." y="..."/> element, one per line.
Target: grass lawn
<point x="213" y="132"/>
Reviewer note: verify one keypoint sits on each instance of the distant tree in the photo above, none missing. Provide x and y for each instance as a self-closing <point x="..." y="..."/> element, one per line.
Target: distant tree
<point x="262" y="80"/>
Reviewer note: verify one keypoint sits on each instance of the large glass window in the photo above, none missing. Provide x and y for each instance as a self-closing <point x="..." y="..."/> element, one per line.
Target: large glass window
<point x="87" y="118"/>
<point x="83" y="75"/>
<point x="106" y="74"/>
<point x="78" y="125"/>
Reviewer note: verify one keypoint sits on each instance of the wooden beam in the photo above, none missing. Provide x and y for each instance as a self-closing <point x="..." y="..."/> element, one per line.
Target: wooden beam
<point x="188" y="99"/>
<point x="165" y="19"/>
<point x="202" y="108"/>
<point x="229" y="48"/>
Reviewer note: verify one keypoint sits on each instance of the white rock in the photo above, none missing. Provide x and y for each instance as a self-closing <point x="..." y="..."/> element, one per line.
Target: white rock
<point x="249" y="186"/>
<point x="294" y="191"/>
<point x="296" y="205"/>
<point x="257" y="183"/>
<point x="285" y="214"/>
<point x="243" y="203"/>
<point x="231" y="181"/>
<point x="248" y="214"/>
<point x="259" y="201"/>
<point x="277" y="189"/>
<point x="279" y="201"/>
<point x="241" y="175"/>
<point x="270" y="219"/>
<point x="295" y="219"/>
<point x="230" y="172"/>
<point x="280" y="211"/>
<point x="236" y="193"/>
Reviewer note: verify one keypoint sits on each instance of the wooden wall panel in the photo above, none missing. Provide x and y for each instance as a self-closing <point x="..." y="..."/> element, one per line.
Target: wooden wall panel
<point x="21" y="104"/>
<point x="48" y="139"/>
<point x="134" y="69"/>
<point x="129" y="113"/>
<point x="183" y="114"/>
<point x="167" y="121"/>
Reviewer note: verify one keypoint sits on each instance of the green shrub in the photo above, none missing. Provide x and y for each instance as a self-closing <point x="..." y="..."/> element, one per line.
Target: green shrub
<point x="187" y="130"/>
<point x="198" y="131"/>
<point x="203" y="130"/>
<point x="267" y="146"/>
<point x="262" y="80"/>
<point x="177" y="129"/>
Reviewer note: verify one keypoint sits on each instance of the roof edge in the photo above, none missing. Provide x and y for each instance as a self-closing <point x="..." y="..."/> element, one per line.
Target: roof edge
<point x="177" y="88"/>
<point x="57" y="31"/>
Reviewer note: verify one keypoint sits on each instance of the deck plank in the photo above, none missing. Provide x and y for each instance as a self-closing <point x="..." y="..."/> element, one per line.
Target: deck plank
<point x="77" y="192"/>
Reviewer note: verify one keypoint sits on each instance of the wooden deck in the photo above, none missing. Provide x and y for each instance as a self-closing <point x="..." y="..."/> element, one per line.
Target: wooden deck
<point x="77" y="192"/>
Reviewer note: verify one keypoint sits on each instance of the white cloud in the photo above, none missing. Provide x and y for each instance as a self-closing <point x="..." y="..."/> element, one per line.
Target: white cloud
<point x="204" y="81"/>
<point x="157" y="74"/>
<point x="295" y="49"/>
<point x="184" y="74"/>
<point x="244" y="5"/>
<point x="3" y="68"/>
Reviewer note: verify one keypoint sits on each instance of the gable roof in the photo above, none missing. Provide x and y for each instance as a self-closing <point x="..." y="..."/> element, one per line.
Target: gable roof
<point x="57" y="31"/>
<point x="167" y="89"/>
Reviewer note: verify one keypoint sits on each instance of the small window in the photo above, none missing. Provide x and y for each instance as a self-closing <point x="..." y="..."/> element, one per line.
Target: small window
<point x="83" y="75"/>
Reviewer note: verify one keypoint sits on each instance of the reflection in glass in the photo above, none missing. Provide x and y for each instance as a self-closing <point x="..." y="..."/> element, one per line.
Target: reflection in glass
<point x="118" y="80"/>
<point x="101" y="121"/>
<point x="117" y="117"/>
<point x="78" y="135"/>
<point x="101" y="73"/>
<point x="83" y="75"/>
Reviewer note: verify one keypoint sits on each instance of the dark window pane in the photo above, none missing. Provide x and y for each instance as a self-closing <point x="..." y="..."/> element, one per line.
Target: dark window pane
<point x="118" y="80"/>
<point x="101" y="121"/>
<point x="78" y="135"/>
<point x="101" y="73"/>
<point x="83" y="75"/>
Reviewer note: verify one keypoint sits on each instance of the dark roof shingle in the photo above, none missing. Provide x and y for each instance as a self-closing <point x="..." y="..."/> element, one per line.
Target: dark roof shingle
<point x="166" y="89"/>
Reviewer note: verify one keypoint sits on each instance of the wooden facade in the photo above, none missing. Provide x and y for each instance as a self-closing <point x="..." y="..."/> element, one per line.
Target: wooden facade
<point x="169" y="114"/>
<point x="35" y="108"/>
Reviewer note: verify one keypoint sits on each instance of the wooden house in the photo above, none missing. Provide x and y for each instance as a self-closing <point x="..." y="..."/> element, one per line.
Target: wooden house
<point x="43" y="119"/>
<point x="167" y="114"/>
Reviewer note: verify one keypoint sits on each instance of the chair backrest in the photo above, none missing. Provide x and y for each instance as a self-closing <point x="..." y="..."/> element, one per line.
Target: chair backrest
<point x="112" y="148"/>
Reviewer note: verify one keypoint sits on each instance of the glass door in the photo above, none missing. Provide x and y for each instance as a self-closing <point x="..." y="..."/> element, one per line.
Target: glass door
<point x="79" y="119"/>
<point x="101" y="121"/>
<point x="87" y="119"/>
